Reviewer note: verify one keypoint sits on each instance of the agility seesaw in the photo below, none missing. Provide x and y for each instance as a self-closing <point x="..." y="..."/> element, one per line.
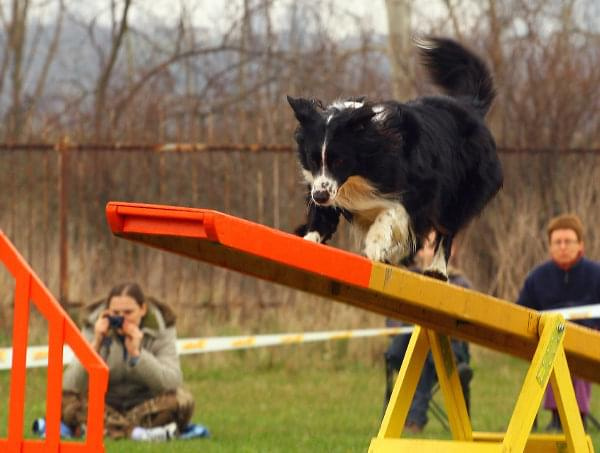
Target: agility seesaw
<point x="441" y="310"/>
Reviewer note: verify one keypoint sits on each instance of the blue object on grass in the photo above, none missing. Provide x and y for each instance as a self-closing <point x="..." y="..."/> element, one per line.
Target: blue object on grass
<point x="193" y="431"/>
<point x="39" y="428"/>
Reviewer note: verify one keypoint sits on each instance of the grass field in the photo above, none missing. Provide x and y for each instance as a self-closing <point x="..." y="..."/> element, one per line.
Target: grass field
<point x="253" y="403"/>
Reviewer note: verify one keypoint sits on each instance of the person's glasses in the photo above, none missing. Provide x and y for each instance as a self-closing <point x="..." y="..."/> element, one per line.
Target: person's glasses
<point x="565" y="242"/>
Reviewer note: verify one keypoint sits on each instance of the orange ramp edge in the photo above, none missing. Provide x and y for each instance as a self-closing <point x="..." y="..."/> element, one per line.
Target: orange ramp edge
<point x="241" y="235"/>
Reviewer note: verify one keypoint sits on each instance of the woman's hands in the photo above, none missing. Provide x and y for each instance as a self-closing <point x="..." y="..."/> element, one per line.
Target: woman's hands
<point x="132" y="333"/>
<point x="133" y="338"/>
<point x="100" y="330"/>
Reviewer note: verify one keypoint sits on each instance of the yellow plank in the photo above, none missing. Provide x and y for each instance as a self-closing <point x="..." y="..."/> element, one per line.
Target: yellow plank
<point x="453" y="300"/>
<point x="394" y="418"/>
<point x="476" y="318"/>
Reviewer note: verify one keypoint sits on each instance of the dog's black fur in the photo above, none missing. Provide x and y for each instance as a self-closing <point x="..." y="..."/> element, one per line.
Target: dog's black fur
<point x="403" y="168"/>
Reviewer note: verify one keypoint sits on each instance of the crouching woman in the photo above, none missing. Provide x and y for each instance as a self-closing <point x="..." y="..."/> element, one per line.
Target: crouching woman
<point x="136" y="337"/>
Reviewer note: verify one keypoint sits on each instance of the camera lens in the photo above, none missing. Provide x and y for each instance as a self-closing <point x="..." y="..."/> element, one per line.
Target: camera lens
<point x="116" y="322"/>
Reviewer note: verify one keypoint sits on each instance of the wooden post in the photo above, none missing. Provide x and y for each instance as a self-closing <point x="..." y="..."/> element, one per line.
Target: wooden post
<point x="399" y="31"/>
<point x="63" y="189"/>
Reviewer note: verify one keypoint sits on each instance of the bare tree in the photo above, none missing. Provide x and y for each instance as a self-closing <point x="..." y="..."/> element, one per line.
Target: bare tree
<point x="119" y="26"/>
<point x="13" y="59"/>
<point x="400" y="47"/>
<point x="17" y="61"/>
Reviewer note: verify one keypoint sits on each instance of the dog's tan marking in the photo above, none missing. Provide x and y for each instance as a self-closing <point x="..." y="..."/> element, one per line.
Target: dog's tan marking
<point x="357" y="195"/>
<point x="363" y="200"/>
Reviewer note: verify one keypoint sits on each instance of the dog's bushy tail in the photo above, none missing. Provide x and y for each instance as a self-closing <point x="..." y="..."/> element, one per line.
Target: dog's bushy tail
<point x="458" y="71"/>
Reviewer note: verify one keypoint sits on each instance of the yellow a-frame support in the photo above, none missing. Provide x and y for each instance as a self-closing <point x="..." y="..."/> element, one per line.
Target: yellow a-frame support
<point x="548" y="364"/>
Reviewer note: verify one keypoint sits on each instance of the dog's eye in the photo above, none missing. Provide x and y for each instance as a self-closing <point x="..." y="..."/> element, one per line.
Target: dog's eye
<point x="315" y="156"/>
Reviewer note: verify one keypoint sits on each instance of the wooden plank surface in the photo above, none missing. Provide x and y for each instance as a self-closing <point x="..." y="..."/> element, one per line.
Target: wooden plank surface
<point x="273" y="255"/>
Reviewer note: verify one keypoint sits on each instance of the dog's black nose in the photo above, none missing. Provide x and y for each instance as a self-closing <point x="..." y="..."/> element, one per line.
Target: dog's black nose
<point x="320" y="196"/>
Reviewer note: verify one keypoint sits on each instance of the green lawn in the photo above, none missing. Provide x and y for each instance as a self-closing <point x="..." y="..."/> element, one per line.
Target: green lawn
<point x="255" y="405"/>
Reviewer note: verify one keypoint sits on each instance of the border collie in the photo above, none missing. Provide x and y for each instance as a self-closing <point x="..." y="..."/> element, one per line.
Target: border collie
<point x="397" y="171"/>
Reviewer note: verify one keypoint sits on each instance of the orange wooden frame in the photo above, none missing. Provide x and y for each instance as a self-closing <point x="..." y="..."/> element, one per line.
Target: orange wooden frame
<point x="61" y="330"/>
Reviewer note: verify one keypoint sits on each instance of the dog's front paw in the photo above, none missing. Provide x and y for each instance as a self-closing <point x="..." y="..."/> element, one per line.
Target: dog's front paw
<point x="301" y="230"/>
<point x="313" y="236"/>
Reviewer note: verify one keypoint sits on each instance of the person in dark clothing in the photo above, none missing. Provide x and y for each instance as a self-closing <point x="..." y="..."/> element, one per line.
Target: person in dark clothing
<point x="394" y="355"/>
<point x="566" y="280"/>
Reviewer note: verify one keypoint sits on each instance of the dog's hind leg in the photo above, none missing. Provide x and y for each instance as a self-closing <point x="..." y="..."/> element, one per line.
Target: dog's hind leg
<point x="390" y="238"/>
<point x="438" y="268"/>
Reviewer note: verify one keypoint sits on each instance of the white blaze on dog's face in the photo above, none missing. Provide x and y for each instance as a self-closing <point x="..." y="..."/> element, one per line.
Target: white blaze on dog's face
<point x="323" y="185"/>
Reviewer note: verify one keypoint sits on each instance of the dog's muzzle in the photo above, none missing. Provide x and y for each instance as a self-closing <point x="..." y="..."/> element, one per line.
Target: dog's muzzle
<point x="324" y="190"/>
<point x="320" y="196"/>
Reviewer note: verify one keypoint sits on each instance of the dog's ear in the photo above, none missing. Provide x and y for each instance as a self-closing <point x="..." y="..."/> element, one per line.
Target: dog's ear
<point x="304" y="109"/>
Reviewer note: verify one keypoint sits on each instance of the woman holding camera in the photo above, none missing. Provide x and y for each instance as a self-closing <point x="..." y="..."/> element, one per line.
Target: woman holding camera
<point x="136" y="337"/>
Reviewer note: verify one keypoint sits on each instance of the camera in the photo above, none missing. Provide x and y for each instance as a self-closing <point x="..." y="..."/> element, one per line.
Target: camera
<point x="115" y="322"/>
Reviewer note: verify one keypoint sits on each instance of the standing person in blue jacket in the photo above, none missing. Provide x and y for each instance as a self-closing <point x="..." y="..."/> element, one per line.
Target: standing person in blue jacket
<point x="567" y="279"/>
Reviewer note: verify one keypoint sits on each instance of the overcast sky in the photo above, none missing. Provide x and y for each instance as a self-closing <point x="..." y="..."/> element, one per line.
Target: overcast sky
<point x="213" y="13"/>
